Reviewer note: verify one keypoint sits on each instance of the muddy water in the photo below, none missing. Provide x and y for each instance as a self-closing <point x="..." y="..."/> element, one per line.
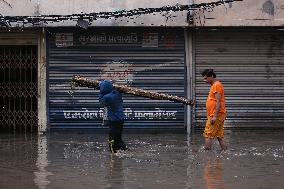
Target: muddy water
<point x="255" y="160"/>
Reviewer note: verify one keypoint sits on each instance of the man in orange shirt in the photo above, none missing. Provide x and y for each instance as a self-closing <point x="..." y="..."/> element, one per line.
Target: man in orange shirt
<point x="216" y="110"/>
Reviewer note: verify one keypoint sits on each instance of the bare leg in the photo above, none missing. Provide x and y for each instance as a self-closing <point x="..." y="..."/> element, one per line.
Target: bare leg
<point x="222" y="144"/>
<point x="208" y="143"/>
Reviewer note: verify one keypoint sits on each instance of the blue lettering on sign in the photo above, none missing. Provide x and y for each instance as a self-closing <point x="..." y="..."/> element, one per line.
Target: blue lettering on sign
<point x="129" y="114"/>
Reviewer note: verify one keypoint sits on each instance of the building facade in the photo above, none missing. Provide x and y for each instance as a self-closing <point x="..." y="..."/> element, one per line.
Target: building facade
<point x="158" y="50"/>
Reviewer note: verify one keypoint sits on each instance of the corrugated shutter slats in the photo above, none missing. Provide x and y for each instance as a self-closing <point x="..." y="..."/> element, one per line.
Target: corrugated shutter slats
<point x="250" y="66"/>
<point x="159" y="67"/>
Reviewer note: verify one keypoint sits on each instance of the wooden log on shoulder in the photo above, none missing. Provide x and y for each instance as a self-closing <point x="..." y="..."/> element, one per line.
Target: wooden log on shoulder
<point x="85" y="82"/>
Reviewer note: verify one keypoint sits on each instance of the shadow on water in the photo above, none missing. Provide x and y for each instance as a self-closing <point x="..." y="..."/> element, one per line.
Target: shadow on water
<point x="255" y="160"/>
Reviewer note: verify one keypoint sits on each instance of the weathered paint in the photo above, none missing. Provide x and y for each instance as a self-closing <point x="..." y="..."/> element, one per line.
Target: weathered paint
<point x="42" y="116"/>
<point x="243" y="13"/>
<point x="239" y="13"/>
<point x="15" y="37"/>
<point x="67" y="7"/>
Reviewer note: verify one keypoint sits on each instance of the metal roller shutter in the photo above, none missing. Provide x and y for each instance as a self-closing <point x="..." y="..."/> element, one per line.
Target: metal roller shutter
<point x="250" y="66"/>
<point x="150" y="59"/>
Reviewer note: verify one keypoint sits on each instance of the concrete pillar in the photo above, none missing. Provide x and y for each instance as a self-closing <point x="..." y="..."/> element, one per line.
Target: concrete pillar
<point x="42" y="105"/>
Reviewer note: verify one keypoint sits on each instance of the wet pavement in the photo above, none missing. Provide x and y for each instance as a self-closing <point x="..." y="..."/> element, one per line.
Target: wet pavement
<point x="255" y="160"/>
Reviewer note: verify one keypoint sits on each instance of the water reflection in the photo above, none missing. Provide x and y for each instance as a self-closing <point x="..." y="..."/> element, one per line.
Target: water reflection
<point x="160" y="161"/>
<point x="115" y="176"/>
<point x="214" y="174"/>
<point x="41" y="174"/>
<point x="18" y="155"/>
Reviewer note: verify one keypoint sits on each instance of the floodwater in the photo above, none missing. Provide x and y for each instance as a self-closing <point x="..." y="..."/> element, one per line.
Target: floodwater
<point x="255" y="160"/>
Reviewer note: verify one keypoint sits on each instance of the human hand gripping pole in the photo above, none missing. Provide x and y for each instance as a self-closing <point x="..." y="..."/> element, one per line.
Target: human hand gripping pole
<point x="85" y="82"/>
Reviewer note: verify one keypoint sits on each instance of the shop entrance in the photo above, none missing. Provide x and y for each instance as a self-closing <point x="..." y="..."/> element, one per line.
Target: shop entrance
<point x="18" y="88"/>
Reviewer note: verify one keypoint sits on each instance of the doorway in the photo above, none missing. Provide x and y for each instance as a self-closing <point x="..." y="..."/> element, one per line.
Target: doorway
<point x="18" y="88"/>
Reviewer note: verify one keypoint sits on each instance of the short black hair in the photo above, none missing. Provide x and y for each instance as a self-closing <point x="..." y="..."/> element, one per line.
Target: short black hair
<point x="208" y="73"/>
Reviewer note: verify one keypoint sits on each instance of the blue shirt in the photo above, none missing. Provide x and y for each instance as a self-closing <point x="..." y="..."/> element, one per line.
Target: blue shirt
<point x="112" y="100"/>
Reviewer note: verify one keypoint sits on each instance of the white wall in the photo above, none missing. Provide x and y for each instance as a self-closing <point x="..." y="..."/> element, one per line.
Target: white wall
<point x="67" y="7"/>
<point x="243" y="13"/>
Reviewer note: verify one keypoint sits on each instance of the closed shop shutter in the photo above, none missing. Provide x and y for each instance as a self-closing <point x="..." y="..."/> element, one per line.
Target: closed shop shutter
<point x="250" y="65"/>
<point x="150" y="59"/>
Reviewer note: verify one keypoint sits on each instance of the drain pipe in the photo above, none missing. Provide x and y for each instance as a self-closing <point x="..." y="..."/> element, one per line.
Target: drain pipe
<point x="189" y="70"/>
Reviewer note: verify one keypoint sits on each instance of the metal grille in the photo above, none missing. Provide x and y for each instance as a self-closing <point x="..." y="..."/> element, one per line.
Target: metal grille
<point x="18" y="88"/>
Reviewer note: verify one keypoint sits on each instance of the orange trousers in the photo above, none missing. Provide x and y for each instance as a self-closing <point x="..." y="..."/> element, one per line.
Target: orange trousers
<point x="216" y="129"/>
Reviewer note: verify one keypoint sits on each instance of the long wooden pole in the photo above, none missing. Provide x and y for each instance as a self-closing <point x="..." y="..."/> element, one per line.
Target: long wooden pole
<point x="85" y="82"/>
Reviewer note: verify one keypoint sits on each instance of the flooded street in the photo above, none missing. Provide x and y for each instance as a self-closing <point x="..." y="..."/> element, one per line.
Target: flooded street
<point x="255" y="160"/>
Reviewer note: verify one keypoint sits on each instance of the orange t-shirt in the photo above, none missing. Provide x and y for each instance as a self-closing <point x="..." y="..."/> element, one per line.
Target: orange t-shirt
<point x="217" y="87"/>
